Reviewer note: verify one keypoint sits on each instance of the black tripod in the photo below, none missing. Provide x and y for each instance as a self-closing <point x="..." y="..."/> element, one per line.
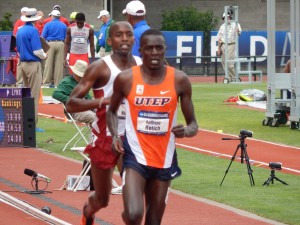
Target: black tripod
<point x="272" y="177"/>
<point x="244" y="154"/>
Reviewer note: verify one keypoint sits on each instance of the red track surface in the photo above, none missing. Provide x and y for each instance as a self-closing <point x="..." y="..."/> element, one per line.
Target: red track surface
<point x="66" y="205"/>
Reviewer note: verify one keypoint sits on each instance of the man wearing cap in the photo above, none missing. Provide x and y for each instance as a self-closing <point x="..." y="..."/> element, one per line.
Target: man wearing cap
<point x="72" y="17"/>
<point x="54" y="33"/>
<point x="135" y="14"/>
<point x="19" y="23"/>
<point x="233" y="29"/>
<point x="65" y="88"/>
<point x="102" y="45"/>
<point x="31" y="53"/>
<point x="79" y="36"/>
<point x="61" y="18"/>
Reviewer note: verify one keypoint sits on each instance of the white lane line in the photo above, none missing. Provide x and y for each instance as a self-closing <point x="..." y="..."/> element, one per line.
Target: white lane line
<point x="252" y="161"/>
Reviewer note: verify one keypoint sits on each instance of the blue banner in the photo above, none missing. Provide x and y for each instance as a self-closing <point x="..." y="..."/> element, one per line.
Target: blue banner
<point x="251" y="43"/>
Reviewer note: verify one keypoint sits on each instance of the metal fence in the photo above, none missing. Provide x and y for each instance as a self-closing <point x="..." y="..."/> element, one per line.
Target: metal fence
<point x="210" y="69"/>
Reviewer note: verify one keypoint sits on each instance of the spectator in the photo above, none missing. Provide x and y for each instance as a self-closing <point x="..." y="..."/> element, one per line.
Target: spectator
<point x="65" y="88"/>
<point x="135" y="13"/>
<point x="233" y="29"/>
<point x="79" y="36"/>
<point x="102" y="45"/>
<point x="100" y="76"/>
<point x="40" y="23"/>
<point x="152" y="92"/>
<point x="31" y="53"/>
<point x="19" y="23"/>
<point x="61" y="18"/>
<point x="54" y="33"/>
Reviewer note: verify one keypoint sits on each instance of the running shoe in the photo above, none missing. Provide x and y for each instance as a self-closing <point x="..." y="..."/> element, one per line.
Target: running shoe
<point x="117" y="190"/>
<point x="87" y="221"/>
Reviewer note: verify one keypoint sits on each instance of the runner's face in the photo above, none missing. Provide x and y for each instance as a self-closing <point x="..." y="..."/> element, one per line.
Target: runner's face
<point x="122" y="38"/>
<point x="80" y="23"/>
<point x="153" y="49"/>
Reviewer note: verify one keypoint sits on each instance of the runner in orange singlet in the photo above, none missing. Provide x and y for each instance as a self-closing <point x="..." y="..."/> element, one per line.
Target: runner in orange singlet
<point x="152" y="94"/>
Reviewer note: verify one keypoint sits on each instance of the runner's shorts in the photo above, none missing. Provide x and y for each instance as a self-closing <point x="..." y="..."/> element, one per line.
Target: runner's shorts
<point x="148" y="172"/>
<point x="101" y="153"/>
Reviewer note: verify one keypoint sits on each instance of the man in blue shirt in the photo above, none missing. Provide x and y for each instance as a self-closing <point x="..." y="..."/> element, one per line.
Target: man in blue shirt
<point x="102" y="45"/>
<point x="31" y="53"/>
<point x="54" y="33"/>
<point x="135" y="14"/>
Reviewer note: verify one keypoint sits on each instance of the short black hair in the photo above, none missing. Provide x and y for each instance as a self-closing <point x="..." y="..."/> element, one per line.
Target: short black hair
<point x="80" y="16"/>
<point x="151" y="32"/>
<point x="112" y="26"/>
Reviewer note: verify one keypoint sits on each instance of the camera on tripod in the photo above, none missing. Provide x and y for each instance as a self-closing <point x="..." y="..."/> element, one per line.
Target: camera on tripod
<point x="244" y="155"/>
<point x="246" y="133"/>
<point x="275" y="165"/>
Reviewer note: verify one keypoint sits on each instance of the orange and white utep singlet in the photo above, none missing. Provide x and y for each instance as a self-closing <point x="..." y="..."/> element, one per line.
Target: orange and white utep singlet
<point x="151" y="112"/>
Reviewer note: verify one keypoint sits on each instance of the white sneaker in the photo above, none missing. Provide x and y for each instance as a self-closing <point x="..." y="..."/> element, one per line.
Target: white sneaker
<point x="116" y="191"/>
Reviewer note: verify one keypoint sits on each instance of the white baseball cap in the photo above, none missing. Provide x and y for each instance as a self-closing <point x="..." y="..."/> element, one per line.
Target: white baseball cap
<point x="55" y="13"/>
<point x="135" y="8"/>
<point x="103" y="13"/>
<point x="57" y="7"/>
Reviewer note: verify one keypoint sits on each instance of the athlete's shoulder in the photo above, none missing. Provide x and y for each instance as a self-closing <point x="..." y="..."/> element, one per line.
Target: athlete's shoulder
<point x="87" y="25"/>
<point x="72" y="25"/>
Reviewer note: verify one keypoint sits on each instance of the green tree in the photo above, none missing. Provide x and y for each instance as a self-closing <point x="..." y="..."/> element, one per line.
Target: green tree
<point x="190" y="19"/>
<point x="5" y="23"/>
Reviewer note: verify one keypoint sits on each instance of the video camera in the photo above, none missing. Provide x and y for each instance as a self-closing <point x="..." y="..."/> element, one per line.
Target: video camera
<point x="246" y="133"/>
<point x="275" y="165"/>
<point x="230" y="10"/>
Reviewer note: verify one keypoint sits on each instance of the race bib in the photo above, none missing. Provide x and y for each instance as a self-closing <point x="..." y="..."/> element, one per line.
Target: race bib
<point x="78" y="40"/>
<point x="154" y="123"/>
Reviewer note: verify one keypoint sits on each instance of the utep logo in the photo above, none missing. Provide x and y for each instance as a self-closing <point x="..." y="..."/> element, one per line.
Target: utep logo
<point x="151" y="101"/>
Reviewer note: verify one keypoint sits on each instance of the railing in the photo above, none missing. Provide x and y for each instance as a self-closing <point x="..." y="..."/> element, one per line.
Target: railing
<point x="210" y="69"/>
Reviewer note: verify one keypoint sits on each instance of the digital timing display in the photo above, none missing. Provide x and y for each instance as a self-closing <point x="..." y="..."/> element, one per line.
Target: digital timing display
<point x="11" y="116"/>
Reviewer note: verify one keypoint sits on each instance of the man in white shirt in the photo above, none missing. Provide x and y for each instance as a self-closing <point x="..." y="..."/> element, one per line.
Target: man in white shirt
<point x="233" y="29"/>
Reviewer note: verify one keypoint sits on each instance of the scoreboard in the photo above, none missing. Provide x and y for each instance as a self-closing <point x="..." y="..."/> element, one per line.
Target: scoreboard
<point x="17" y="118"/>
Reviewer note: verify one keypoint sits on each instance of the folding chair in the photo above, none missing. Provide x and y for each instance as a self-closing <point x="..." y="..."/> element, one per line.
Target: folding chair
<point x="80" y="150"/>
<point x="81" y="131"/>
<point x="80" y="135"/>
<point x="84" y="170"/>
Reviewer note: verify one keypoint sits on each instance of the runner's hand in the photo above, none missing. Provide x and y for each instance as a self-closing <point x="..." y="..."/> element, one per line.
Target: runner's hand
<point x="117" y="145"/>
<point x="179" y="131"/>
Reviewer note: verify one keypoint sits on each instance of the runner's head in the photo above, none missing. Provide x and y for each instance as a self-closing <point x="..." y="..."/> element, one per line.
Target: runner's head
<point x="153" y="48"/>
<point x="121" y="37"/>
